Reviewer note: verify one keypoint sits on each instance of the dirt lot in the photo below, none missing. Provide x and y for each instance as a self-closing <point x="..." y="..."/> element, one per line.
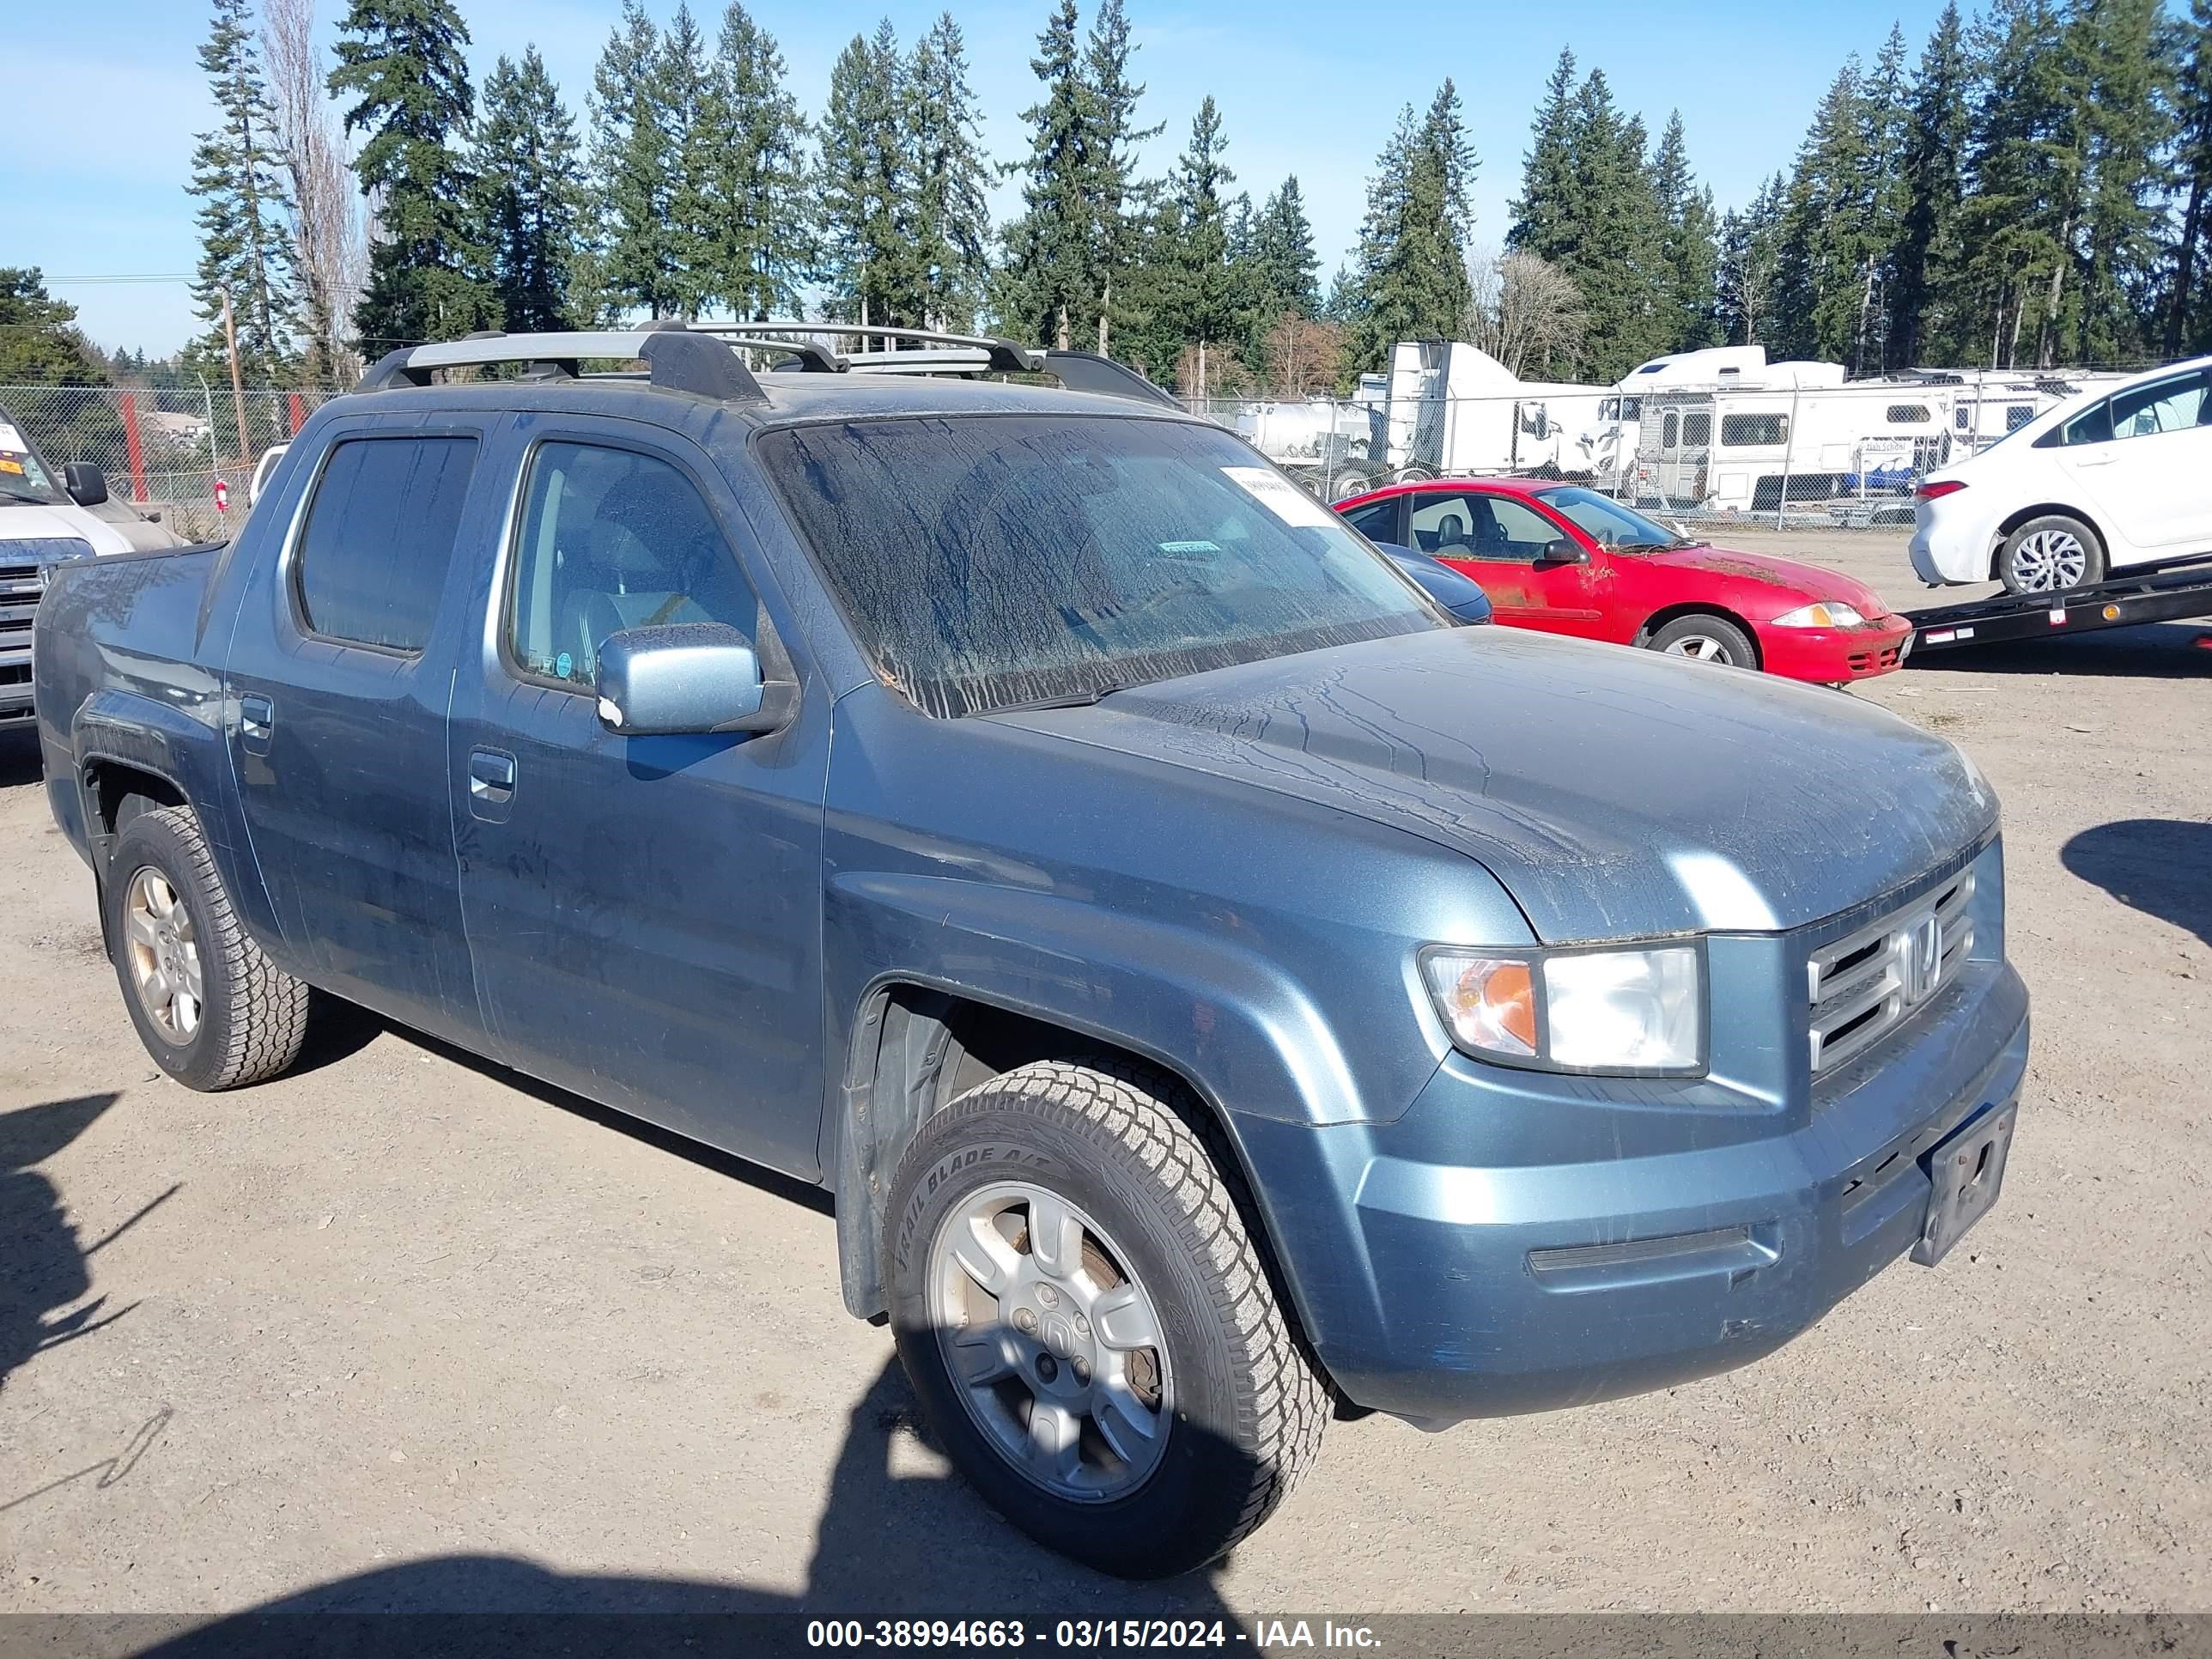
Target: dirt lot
<point x="398" y="1316"/>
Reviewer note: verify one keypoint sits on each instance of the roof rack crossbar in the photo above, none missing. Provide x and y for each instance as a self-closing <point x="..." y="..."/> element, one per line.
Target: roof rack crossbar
<point x="677" y="359"/>
<point x="1004" y="355"/>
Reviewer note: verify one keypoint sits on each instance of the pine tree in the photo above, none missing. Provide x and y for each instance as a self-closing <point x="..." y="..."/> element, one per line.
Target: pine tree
<point x="1689" y="257"/>
<point x="1747" y="265"/>
<point x="1287" y="272"/>
<point x="1413" y="255"/>
<point x="530" y="190"/>
<point x="1932" y="175"/>
<point x="760" y="218"/>
<point x="864" y="187"/>
<point x="1547" y="204"/>
<point x="2124" y="82"/>
<point x="401" y="60"/>
<point x="1823" y="243"/>
<point x="1201" y="298"/>
<point x="1881" y="195"/>
<point x="1111" y="190"/>
<point x="632" y="167"/>
<point x="237" y="174"/>
<point x="39" y="343"/>
<point x="681" y="87"/>
<point x="2186" y="317"/>
<point x="1615" y="243"/>
<point x="1051" y="275"/>
<point x="951" y="218"/>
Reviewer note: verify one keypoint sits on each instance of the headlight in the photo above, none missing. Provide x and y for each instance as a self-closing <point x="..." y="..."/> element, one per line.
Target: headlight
<point x="1825" y="613"/>
<point x="1640" y="1010"/>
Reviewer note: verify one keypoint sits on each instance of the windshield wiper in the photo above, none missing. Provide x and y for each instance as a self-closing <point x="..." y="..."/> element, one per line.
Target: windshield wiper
<point x="1065" y="700"/>
<point x="18" y="495"/>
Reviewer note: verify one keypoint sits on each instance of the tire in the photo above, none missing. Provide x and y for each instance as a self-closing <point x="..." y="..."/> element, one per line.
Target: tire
<point x="1706" y="638"/>
<point x="2051" y="555"/>
<point x="250" y="1017"/>
<point x="1237" y="1412"/>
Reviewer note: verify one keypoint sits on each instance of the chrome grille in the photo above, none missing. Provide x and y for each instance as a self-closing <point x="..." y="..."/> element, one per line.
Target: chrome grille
<point x="1863" y="988"/>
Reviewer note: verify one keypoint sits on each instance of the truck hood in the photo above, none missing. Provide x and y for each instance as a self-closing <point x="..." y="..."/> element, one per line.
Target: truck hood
<point x="33" y="521"/>
<point x="1615" y="793"/>
<point x="1794" y="583"/>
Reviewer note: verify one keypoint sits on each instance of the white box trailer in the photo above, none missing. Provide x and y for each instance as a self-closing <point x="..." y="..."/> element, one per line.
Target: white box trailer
<point x="1454" y="408"/>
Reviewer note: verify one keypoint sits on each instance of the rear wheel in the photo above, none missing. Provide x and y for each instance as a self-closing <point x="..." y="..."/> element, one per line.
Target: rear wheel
<point x="2051" y="555"/>
<point x="1087" y="1323"/>
<point x="211" y="1009"/>
<point x="1704" y="638"/>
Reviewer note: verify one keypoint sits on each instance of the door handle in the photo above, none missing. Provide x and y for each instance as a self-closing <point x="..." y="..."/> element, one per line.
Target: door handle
<point x="491" y="776"/>
<point x="255" y="716"/>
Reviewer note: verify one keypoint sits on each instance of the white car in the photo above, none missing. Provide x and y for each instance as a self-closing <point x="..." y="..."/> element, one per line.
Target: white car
<point x="2116" y="476"/>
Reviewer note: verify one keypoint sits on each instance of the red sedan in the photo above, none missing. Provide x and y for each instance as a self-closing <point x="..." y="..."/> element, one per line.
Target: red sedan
<point x="1566" y="560"/>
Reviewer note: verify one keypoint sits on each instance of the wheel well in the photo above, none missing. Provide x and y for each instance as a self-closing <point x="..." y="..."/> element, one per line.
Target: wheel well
<point x="109" y="784"/>
<point x="928" y="1048"/>
<point x="2014" y="520"/>
<point x="1659" y="619"/>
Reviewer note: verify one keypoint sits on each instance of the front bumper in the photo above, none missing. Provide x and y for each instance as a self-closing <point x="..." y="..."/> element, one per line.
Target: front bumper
<point x="1438" y="1288"/>
<point x="1833" y="655"/>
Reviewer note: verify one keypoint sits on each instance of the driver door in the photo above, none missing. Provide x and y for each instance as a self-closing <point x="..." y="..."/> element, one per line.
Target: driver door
<point x="1504" y="545"/>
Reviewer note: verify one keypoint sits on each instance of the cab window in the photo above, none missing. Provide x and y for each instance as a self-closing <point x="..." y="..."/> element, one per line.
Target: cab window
<point x="613" y="539"/>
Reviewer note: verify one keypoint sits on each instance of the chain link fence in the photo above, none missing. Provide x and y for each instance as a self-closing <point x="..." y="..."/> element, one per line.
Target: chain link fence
<point x="1828" y="456"/>
<point x="162" y="450"/>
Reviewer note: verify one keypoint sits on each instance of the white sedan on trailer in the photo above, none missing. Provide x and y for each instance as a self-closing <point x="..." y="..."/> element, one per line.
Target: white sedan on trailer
<point x="2116" y="476"/>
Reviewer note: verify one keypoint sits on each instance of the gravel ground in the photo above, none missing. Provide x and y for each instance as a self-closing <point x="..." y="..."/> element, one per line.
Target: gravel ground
<point x="399" y="1329"/>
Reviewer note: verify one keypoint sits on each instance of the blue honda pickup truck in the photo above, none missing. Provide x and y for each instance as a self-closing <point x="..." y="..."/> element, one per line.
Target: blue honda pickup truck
<point x="1221" y="992"/>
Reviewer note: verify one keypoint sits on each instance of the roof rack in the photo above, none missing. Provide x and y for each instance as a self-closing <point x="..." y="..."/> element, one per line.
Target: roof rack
<point x="676" y="358"/>
<point x="706" y="359"/>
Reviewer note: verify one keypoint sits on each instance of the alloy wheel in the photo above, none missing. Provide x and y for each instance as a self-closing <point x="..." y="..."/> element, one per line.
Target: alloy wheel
<point x="164" y="955"/>
<point x="1055" y="1348"/>
<point x="1701" y="647"/>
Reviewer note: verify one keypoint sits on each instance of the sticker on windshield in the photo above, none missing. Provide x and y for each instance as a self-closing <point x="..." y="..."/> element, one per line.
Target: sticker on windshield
<point x="7" y="466"/>
<point x="1190" y="547"/>
<point x="11" y="438"/>
<point x="1280" y="496"/>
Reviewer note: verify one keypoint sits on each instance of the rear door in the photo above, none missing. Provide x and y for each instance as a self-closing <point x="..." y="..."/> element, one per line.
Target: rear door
<point x="1502" y="543"/>
<point x="339" y="675"/>
<point x="2148" y="479"/>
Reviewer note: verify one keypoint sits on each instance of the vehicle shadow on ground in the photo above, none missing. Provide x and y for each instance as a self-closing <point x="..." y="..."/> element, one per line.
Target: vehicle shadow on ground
<point x="2161" y="866"/>
<point x="43" y="1266"/>
<point x="890" y="1544"/>
<point x="18" y="759"/>
<point x="2153" y="650"/>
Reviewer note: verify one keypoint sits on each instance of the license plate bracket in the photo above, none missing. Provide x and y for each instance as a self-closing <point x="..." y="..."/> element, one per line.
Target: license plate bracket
<point x="1964" y="1169"/>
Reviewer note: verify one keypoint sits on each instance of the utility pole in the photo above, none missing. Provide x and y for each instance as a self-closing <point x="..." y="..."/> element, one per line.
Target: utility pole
<point x="237" y="381"/>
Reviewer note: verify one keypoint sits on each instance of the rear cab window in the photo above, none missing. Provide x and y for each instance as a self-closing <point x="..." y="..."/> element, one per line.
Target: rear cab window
<point x="373" y="556"/>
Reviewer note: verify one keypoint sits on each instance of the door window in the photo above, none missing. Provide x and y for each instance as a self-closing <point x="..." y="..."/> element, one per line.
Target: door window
<point x="613" y="539"/>
<point x="1377" y="520"/>
<point x="1697" y="430"/>
<point x="2161" y="406"/>
<point x="1670" y="431"/>
<point x="379" y="539"/>
<point x="1481" y="528"/>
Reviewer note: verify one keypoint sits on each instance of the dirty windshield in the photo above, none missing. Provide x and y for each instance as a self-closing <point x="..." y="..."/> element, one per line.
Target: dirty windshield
<point x="22" y="476"/>
<point x="1609" y="524"/>
<point x="991" y="562"/>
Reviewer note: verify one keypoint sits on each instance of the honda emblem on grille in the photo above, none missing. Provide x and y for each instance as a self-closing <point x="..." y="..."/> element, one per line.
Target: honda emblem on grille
<point x="1923" y="956"/>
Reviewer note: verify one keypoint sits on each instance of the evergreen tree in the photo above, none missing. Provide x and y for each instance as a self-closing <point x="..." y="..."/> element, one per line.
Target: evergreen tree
<point x="1111" y="137"/>
<point x="1052" y="275"/>
<point x="1824" y="239"/>
<point x="864" y="188"/>
<point x="1547" y="205"/>
<point x="632" y="164"/>
<point x="2123" y="78"/>
<point x="1932" y="174"/>
<point x="1882" y="199"/>
<point x="681" y="85"/>
<point x="2187" y="316"/>
<point x="1286" y="269"/>
<point x="1201" y="297"/>
<point x="39" y="344"/>
<point x="1748" y="264"/>
<point x="759" y="229"/>
<point x="1614" y="243"/>
<point x="530" y="190"/>
<point x="401" y="60"/>
<point x="951" y="219"/>
<point x="1412" y="255"/>
<point x="237" y="174"/>
<point x="1689" y="257"/>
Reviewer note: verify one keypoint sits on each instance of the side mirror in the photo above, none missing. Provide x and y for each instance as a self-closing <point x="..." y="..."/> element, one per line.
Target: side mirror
<point x="687" y="677"/>
<point x="1565" y="550"/>
<point x="85" y="484"/>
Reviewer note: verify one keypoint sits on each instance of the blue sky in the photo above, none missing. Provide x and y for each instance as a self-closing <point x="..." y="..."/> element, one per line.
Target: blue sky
<point x="97" y="126"/>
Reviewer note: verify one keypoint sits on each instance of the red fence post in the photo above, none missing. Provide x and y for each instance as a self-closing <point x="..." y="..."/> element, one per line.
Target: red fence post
<point x="295" y="411"/>
<point x="131" y="447"/>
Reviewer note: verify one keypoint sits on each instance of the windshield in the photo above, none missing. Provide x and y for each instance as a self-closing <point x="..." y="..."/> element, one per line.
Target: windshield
<point x="23" y="477"/>
<point x="990" y="561"/>
<point x="1607" y="522"/>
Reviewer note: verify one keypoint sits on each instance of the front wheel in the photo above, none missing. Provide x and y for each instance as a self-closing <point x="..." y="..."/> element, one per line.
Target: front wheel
<point x="1705" y="638"/>
<point x="2051" y="555"/>
<point x="1087" y="1323"/>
